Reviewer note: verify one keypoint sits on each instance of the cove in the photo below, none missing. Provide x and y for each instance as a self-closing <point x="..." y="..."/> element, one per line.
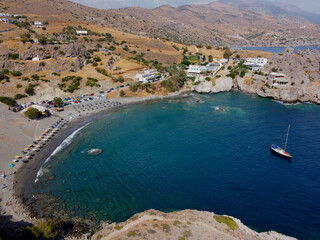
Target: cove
<point x="184" y="154"/>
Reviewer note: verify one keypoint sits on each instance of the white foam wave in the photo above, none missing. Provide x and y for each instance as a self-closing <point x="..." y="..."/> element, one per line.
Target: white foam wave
<point x="285" y="103"/>
<point x="65" y="143"/>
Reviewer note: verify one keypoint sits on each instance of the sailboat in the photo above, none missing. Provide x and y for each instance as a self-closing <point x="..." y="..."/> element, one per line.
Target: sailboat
<point x="275" y="148"/>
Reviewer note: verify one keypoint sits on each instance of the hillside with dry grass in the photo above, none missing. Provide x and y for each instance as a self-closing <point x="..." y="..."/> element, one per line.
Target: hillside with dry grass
<point x="47" y="58"/>
<point x="217" y="23"/>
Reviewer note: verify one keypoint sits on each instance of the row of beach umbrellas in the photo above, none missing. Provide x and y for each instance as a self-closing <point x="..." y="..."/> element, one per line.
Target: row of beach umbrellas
<point x="39" y="142"/>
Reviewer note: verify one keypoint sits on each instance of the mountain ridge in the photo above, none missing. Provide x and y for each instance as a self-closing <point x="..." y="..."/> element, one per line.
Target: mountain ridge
<point x="217" y="23"/>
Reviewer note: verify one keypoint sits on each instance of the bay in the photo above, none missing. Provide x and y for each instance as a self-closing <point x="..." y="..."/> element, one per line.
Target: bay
<point x="184" y="154"/>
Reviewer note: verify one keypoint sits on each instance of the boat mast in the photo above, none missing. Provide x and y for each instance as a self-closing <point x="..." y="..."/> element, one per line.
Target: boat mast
<point x="285" y="145"/>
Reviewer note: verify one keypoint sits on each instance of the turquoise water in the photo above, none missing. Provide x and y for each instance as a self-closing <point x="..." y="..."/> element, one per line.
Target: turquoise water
<point x="182" y="154"/>
<point x="279" y="49"/>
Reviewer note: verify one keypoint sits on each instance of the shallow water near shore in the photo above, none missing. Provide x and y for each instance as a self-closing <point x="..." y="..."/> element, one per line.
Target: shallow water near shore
<point x="189" y="154"/>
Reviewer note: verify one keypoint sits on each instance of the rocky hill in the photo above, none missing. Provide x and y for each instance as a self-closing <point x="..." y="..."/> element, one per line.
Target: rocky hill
<point x="218" y="23"/>
<point x="276" y="9"/>
<point x="187" y="224"/>
<point x="289" y="77"/>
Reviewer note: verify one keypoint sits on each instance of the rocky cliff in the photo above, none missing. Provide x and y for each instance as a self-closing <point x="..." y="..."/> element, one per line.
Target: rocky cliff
<point x="66" y="57"/>
<point x="186" y="224"/>
<point x="288" y="77"/>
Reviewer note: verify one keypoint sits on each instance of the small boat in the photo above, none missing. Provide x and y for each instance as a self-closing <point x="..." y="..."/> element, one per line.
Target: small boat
<point x="282" y="152"/>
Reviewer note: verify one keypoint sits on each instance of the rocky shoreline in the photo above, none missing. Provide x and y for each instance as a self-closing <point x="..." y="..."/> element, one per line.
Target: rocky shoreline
<point x="300" y="81"/>
<point x="23" y="204"/>
<point x="26" y="206"/>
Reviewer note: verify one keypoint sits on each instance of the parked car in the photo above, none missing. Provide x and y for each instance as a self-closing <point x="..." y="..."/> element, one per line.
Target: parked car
<point x="101" y="92"/>
<point x="75" y="101"/>
<point x="91" y="94"/>
<point x="109" y="91"/>
<point x="122" y="86"/>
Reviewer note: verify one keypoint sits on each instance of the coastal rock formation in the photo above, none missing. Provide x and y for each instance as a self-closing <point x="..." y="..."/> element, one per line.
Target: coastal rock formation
<point x="186" y="224"/>
<point x="298" y="80"/>
<point x="219" y="85"/>
<point x="48" y="51"/>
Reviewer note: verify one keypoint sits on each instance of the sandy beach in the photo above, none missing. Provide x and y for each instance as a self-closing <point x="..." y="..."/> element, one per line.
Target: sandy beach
<point x="17" y="132"/>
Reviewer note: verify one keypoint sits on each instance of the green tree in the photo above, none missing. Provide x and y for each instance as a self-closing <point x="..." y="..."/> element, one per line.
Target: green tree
<point x="210" y="58"/>
<point x="30" y="89"/>
<point x="97" y="59"/>
<point x="7" y="100"/>
<point x="14" y="56"/>
<point x="58" y="101"/>
<point x="49" y="229"/>
<point x="227" y="53"/>
<point x="32" y="113"/>
<point x="122" y="93"/>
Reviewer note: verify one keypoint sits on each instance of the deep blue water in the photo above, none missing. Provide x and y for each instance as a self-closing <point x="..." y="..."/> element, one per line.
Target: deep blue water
<point x="279" y="49"/>
<point x="180" y="154"/>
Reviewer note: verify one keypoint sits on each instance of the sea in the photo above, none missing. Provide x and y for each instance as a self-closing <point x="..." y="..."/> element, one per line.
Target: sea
<point x="277" y="49"/>
<point x="208" y="152"/>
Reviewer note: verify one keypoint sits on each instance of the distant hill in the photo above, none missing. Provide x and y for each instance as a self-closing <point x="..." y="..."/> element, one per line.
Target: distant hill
<point x="229" y="22"/>
<point x="285" y="10"/>
<point x="220" y="23"/>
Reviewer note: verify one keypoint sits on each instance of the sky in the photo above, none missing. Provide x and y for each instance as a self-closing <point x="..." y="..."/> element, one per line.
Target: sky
<point x="309" y="5"/>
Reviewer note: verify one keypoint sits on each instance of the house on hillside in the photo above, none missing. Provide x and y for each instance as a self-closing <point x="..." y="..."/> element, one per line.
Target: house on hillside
<point x="9" y="20"/>
<point x="277" y="79"/>
<point x="200" y="69"/>
<point x="38" y="24"/>
<point x="148" y="76"/>
<point x="5" y="15"/>
<point x="255" y="63"/>
<point x="82" y="32"/>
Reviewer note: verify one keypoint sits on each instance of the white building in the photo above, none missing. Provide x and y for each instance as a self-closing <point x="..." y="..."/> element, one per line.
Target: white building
<point x="82" y="32"/>
<point x="38" y="24"/>
<point x="148" y="76"/>
<point x="223" y="60"/>
<point x="255" y="63"/>
<point x="278" y="79"/>
<point x="199" y="69"/>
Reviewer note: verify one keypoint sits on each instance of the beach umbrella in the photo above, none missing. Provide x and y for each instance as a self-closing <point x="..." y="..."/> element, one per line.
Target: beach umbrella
<point x="30" y="145"/>
<point x="15" y="160"/>
<point x="11" y="165"/>
<point x="26" y="148"/>
<point x="37" y="139"/>
<point x="18" y="157"/>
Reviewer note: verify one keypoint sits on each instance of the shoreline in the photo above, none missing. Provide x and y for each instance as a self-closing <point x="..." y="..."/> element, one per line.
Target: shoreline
<point x="26" y="175"/>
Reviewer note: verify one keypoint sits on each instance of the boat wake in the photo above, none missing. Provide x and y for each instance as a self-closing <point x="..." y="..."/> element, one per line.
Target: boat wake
<point x="65" y="143"/>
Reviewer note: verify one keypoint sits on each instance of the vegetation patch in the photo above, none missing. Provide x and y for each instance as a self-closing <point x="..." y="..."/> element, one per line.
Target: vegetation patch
<point x="227" y="220"/>
<point x="131" y="233"/>
<point x="30" y="89"/>
<point x="118" y="227"/>
<point x="175" y="82"/>
<point x="45" y="229"/>
<point x="92" y="82"/>
<point x="7" y="100"/>
<point x="165" y="227"/>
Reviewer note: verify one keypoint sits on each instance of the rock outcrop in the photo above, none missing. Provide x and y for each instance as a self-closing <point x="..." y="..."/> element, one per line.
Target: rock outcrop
<point x="186" y="224"/>
<point x="223" y="84"/>
<point x="55" y="52"/>
<point x="300" y="72"/>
